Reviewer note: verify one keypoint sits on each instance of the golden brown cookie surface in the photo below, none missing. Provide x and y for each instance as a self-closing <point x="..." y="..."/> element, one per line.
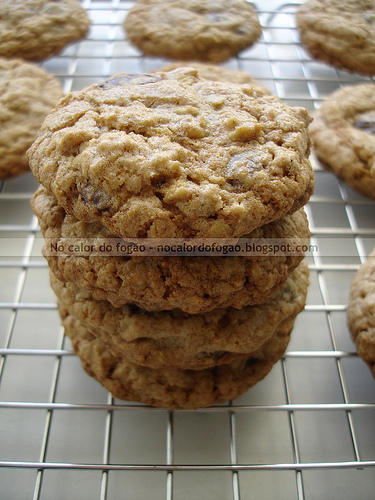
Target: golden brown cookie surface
<point x="37" y="29"/>
<point x="27" y="94"/>
<point x="204" y="30"/>
<point x="343" y="133"/>
<point x="340" y="32"/>
<point x="173" y="155"/>
<point x="218" y="74"/>
<point x="361" y="313"/>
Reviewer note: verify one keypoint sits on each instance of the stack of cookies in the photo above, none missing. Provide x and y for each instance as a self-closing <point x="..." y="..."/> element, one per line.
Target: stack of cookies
<point x="172" y="156"/>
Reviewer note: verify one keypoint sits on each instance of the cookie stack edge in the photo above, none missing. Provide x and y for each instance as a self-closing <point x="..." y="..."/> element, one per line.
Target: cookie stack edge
<point x="204" y="377"/>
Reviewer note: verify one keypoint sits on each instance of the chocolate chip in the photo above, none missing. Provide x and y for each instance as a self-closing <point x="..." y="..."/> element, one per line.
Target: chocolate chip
<point x="366" y="122"/>
<point x="96" y="198"/>
<point x="129" y="78"/>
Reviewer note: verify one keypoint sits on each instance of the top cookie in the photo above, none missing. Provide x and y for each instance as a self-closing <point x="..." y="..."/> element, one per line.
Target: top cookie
<point x="361" y="314"/>
<point x="343" y="134"/>
<point x="203" y="30"/>
<point x="27" y="95"/>
<point x="37" y="29"/>
<point x="173" y="155"/>
<point x="340" y="32"/>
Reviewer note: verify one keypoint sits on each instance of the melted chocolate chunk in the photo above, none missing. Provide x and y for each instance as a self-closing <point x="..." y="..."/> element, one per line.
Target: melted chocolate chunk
<point x="243" y="165"/>
<point x="366" y="122"/>
<point x="129" y="78"/>
<point x="96" y="198"/>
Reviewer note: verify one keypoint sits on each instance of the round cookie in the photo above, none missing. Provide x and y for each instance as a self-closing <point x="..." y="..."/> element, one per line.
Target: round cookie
<point x="343" y="135"/>
<point x="199" y="29"/>
<point x="194" y="284"/>
<point x="218" y="74"/>
<point x="340" y="32"/>
<point x="172" y="387"/>
<point x="27" y="94"/>
<point x="37" y="29"/>
<point x="174" y="338"/>
<point x="361" y="312"/>
<point x="173" y="155"/>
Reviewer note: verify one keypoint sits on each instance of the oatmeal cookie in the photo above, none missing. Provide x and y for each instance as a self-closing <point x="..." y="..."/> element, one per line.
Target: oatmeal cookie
<point x="343" y="134"/>
<point x="27" y="94"/>
<point x="199" y="29"/>
<point x="340" y="32"/>
<point x="194" y="284"/>
<point x="174" y="338"/>
<point x="218" y="74"/>
<point x="173" y="387"/>
<point x="37" y="29"/>
<point x="173" y="155"/>
<point x="361" y="311"/>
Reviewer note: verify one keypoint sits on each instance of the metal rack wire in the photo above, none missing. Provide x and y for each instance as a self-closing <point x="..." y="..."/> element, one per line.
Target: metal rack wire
<point x="304" y="432"/>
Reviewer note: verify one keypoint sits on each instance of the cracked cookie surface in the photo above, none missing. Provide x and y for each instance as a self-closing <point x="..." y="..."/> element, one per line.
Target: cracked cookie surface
<point x="193" y="284"/>
<point x="27" y="94"/>
<point x="361" y="313"/>
<point x="204" y="30"/>
<point x="340" y="32"/>
<point x="37" y="29"/>
<point x="174" y="338"/>
<point x="172" y="387"/>
<point x="173" y="155"/>
<point x="343" y="133"/>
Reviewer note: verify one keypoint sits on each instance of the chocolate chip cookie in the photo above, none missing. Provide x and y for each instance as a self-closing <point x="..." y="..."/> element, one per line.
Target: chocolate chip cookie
<point x="193" y="284"/>
<point x="174" y="338"/>
<point x="37" y="29"/>
<point x="27" y="94"/>
<point x="340" y="32"/>
<point x="361" y="314"/>
<point x="173" y="155"/>
<point x="343" y="134"/>
<point x="203" y="30"/>
<point x="173" y="387"/>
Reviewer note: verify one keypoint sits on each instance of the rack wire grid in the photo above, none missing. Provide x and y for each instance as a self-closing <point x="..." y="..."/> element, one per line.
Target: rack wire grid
<point x="305" y="432"/>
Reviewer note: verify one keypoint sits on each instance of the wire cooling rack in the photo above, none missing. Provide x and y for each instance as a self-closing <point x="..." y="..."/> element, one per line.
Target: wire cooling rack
<point x="305" y="432"/>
